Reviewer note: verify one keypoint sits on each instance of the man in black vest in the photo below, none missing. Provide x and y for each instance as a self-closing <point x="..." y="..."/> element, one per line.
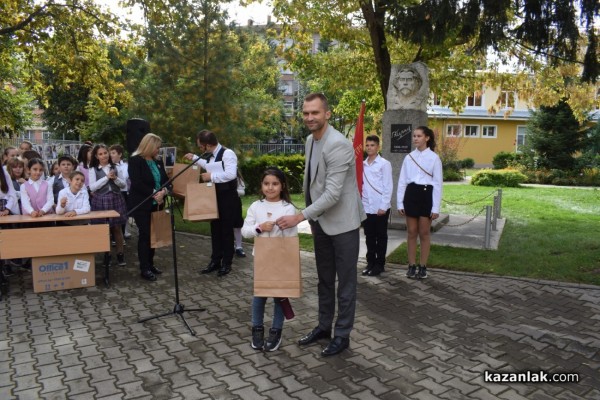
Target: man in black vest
<point x="221" y="166"/>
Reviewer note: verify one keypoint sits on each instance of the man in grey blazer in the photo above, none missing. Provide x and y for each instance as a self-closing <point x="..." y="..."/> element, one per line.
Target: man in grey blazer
<point x="334" y="210"/>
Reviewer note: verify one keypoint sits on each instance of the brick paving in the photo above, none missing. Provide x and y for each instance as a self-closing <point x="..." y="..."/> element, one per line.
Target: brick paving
<point x="412" y="340"/>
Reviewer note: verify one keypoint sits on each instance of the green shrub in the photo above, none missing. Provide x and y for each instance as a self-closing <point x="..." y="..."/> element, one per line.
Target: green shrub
<point x="502" y="159"/>
<point x="451" y="175"/>
<point x="504" y="177"/>
<point x="467" y="163"/>
<point x="292" y="165"/>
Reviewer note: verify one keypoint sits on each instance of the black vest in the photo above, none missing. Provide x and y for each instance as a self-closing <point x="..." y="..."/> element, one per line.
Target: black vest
<point x="231" y="185"/>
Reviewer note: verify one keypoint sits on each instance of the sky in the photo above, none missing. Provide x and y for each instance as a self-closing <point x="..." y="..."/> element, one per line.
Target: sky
<point x="257" y="12"/>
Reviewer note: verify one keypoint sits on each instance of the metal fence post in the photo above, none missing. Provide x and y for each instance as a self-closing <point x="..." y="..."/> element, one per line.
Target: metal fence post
<point x="499" y="213"/>
<point x="495" y="213"/>
<point x="488" y="225"/>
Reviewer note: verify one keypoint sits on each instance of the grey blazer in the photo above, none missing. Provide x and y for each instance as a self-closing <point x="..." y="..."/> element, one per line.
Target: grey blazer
<point x="333" y="189"/>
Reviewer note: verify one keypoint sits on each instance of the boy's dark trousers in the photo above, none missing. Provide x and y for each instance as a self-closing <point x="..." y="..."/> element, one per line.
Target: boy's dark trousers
<point x="375" y="227"/>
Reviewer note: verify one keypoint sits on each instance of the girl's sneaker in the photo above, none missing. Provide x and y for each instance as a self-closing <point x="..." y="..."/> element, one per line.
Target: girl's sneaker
<point x="422" y="273"/>
<point x="274" y="340"/>
<point x="412" y="270"/>
<point x="258" y="337"/>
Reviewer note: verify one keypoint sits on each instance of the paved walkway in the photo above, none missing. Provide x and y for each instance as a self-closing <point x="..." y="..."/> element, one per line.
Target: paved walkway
<point x="412" y="339"/>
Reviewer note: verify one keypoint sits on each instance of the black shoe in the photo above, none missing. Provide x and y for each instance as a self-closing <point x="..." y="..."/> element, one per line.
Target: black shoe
<point x="314" y="335"/>
<point x="121" y="260"/>
<point x="225" y="269"/>
<point x="148" y="275"/>
<point x="375" y="271"/>
<point x="7" y="270"/>
<point x="155" y="270"/>
<point x="365" y="271"/>
<point x="412" y="271"/>
<point x="274" y="340"/>
<point x="239" y="252"/>
<point x="258" y="337"/>
<point x="336" y="346"/>
<point x="422" y="273"/>
<point x="211" y="267"/>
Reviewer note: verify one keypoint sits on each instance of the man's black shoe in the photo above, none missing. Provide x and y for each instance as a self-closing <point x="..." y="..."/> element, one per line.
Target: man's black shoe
<point x="313" y="336"/>
<point x="148" y="275"/>
<point x="336" y="346"/>
<point x="225" y="269"/>
<point x="374" y="272"/>
<point x="211" y="267"/>
<point x="365" y="271"/>
<point x="155" y="270"/>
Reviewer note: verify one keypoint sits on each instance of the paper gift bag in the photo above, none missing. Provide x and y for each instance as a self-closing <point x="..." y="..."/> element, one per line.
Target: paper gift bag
<point x="277" y="267"/>
<point x="200" y="202"/>
<point x="160" y="229"/>
<point x="191" y="175"/>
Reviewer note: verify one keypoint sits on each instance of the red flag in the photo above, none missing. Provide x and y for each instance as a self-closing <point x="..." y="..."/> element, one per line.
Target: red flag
<point x="359" y="146"/>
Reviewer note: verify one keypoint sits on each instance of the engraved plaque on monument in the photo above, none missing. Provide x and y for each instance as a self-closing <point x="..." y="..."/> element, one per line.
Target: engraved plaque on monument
<point x="401" y="138"/>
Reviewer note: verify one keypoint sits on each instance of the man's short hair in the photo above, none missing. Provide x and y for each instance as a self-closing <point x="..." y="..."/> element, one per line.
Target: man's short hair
<point x="320" y="96"/>
<point x="372" y="138"/>
<point x="67" y="158"/>
<point x="116" y="147"/>
<point x="207" y="137"/>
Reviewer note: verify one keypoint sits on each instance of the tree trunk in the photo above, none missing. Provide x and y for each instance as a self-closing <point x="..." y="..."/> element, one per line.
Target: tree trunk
<point x="375" y="17"/>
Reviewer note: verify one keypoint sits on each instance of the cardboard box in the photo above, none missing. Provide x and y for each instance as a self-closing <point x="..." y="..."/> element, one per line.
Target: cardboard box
<point x="63" y="272"/>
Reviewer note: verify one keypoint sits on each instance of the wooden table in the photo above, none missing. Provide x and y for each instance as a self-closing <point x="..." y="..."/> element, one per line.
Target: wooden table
<point x="48" y="244"/>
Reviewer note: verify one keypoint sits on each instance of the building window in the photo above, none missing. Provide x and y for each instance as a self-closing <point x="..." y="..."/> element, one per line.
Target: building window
<point x="507" y="99"/>
<point x="472" y="131"/>
<point x="28" y="135"/>
<point x="521" y="137"/>
<point x="437" y="100"/>
<point x="475" y="100"/>
<point x="46" y="135"/>
<point x="288" y="107"/>
<point x="453" y="130"/>
<point x="488" y="131"/>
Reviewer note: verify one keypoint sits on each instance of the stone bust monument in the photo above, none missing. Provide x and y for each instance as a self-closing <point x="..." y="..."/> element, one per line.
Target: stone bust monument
<point x="409" y="87"/>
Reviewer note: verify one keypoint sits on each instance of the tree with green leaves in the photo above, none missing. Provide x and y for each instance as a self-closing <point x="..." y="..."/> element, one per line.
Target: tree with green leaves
<point x="65" y="40"/>
<point x="554" y="137"/>
<point x="454" y="38"/>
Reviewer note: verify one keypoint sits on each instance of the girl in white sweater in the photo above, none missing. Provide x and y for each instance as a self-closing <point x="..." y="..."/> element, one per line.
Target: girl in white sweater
<point x="260" y="220"/>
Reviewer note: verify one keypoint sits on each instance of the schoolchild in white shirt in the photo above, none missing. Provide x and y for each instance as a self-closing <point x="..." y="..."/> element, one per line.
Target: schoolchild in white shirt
<point x="419" y="196"/>
<point x="74" y="200"/>
<point x="376" y="198"/>
<point x="37" y="198"/>
<point x="260" y="221"/>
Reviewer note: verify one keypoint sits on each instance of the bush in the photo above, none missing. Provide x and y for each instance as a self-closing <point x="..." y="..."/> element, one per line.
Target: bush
<point x="502" y="159"/>
<point x="467" y="163"/>
<point x="504" y="177"/>
<point x="451" y="175"/>
<point x="292" y="165"/>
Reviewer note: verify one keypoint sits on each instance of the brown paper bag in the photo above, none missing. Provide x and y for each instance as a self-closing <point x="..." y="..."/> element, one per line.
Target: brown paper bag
<point x="191" y="175"/>
<point x="160" y="229"/>
<point x="277" y="267"/>
<point x="200" y="202"/>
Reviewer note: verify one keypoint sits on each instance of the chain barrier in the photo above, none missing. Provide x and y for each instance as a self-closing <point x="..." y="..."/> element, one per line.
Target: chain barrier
<point x="471" y="202"/>
<point x="466" y="222"/>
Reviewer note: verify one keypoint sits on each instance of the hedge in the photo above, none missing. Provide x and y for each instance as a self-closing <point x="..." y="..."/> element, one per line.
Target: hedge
<point x="501" y="177"/>
<point x="292" y="165"/>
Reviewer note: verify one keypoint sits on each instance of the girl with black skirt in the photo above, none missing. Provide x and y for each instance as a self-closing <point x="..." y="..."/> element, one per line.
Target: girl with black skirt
<point x="419" y="197"/>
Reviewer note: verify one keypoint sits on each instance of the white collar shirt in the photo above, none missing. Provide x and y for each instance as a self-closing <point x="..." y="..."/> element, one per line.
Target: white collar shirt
<point x="227" y="172"/>
<point x="78" y="202"/>
<point x="377" y="185"/>
<point x="413" y="171"/>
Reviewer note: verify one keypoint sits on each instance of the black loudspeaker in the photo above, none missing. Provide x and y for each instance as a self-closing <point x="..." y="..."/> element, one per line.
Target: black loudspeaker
<point x="136" y="129"/>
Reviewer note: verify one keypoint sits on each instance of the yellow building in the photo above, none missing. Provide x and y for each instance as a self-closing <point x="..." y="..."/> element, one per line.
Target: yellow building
<point x="478" y="134"/>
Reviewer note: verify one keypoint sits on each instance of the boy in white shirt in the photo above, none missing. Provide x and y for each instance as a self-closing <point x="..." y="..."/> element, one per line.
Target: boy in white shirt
<point x="74" y="200"/>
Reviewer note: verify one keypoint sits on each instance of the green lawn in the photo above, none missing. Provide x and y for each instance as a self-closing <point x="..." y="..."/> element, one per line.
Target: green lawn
<point x="550" y="233"/>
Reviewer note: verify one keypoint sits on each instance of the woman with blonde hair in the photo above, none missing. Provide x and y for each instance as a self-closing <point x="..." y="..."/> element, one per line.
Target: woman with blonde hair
<point x="147" y="175"/>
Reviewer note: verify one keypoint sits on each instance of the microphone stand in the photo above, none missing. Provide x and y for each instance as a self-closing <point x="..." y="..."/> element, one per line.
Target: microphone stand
<point x="178" y="308"/>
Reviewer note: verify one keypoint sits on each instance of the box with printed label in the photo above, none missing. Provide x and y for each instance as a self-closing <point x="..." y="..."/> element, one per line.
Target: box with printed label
<point x="63" y="272"/>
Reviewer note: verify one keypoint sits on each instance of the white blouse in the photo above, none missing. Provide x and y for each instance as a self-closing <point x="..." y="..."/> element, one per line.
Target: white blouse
<point x="412" y="173"/>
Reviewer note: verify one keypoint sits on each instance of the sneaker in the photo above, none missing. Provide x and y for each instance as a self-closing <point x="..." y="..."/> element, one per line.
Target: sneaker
<point x="422" y="274"/>
<point x="121" y="259"/>
<point x="412" y="269"/>
<point x="258" y="337"/>
<point x="240" y="252"/>
<point x="274" y="340"/>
